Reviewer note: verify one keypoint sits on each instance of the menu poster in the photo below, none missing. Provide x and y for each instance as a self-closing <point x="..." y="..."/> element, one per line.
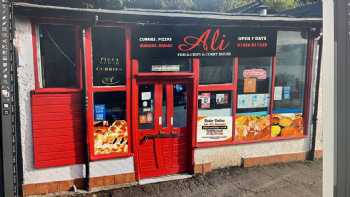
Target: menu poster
<point x="214" y="128"/>
<point x="205" y="101"/>
<point x="278" y="93"/>
<point x="100" y="112"/>
<point x="286" y="92"/>
<point x="249" y="85"/>
<point x="246" y="101"/>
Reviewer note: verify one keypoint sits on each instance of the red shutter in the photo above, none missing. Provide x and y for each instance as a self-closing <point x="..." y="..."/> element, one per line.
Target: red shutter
<point x="57" y="126"/>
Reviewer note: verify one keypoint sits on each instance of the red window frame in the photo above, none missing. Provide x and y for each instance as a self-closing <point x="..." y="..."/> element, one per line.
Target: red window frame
<point x="91" y="89"/>
<point x="219" y="87"/>
<point x="78" y="59"/>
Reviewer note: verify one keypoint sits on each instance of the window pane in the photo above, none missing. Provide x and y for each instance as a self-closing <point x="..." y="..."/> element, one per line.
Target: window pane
<point x="108" y="49"/>
<point x="215" y="70"/>
<point x="214" y="121"/>
<point x="287" y="119"/>
<point x="146" y="106"/>
<point x="254" y="83"/>
<point x="290" y="72"/>
<point x="254" y="76"/>
<point x="57" y="56"/>
<point x="180" y="105"/>
<point x="165" y="65"/>
<point x="110" y="126"/>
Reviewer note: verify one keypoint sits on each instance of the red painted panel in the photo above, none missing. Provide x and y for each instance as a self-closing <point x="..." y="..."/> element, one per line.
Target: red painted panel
<point x="57" y="125"/>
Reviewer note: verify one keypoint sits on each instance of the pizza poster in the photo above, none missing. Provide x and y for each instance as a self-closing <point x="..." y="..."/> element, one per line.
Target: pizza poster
<point x="214" y="128"/>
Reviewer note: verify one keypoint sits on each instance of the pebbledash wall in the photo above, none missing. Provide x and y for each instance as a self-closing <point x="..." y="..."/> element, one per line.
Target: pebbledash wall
<point x="205" y="158"/>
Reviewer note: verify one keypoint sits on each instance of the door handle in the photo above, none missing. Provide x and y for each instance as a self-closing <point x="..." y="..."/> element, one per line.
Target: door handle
<point x="172" y="121"/>
<point x="160" y="120"/>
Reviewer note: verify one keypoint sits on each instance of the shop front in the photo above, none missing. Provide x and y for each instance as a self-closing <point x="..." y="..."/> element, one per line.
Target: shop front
<point x="154" y="99"/>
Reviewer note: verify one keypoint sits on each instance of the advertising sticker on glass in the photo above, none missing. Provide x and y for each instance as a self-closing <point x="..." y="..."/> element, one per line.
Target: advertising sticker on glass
<point x="110" y="126"/>
<point x="211" y="129"/>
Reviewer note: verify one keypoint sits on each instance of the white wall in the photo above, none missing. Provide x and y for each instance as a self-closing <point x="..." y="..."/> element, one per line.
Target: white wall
<point x="327" y="89"/>
<point x="232" y="155"/>
<point x="26" y="83"/>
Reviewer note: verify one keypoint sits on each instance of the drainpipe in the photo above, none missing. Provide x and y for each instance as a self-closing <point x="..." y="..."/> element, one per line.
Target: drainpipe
<point x="315" y="110"/>
<point x="85" y="101"/>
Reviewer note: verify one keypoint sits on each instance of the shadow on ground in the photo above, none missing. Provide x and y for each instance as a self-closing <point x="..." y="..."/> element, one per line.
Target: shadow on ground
<point x="301" y="179"/>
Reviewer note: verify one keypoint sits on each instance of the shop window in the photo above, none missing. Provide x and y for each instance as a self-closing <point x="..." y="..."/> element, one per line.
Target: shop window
<point x="215" y="71"/>
<point x="108" y="49"/>
<point x="110" y="126"/>
<point x="287" y="117"/>
<point x="252" y="121"/>
<point x="57" y="56"/>
<point x="214" y="121"/>
<point x="165" y="65"/>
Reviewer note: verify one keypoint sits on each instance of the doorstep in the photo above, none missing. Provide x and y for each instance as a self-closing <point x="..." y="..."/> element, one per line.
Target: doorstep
<point x="164" y="178"/>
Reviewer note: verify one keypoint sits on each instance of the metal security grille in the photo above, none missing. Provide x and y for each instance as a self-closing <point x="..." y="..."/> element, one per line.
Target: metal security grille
<point x="8" y="106"/>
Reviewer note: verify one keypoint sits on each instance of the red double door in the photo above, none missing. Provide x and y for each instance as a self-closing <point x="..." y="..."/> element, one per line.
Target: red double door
<point x="163" y="134"/>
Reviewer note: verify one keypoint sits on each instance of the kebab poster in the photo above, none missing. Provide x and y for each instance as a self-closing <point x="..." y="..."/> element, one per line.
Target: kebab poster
<point x="110" y="135"/>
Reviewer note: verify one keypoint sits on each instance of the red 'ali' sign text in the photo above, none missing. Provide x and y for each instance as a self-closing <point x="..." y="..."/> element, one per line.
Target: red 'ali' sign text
<point x="255" y="73"/>
<point x="207" y="41"/>
<point x="171" y="41"/>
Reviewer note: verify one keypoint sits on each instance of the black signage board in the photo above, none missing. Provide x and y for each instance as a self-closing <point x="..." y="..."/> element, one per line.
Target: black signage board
<point x="108" y="56"/>
<point x="165" y="41"/>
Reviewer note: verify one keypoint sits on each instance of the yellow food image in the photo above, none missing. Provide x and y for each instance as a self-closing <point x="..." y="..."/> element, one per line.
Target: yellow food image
<point x="252" y="127"/>
<point x="285" y="122"/>
<point x="275" y="130"/>
<point x="112" y="139"/>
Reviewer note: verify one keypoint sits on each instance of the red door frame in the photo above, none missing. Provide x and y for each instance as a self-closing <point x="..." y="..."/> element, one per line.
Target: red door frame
<point x="90" y="90"/>
<point x="181" y="77"/>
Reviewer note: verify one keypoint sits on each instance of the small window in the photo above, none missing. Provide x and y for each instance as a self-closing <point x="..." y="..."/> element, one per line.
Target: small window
<point x="57" y="62"/>
<point x="215" y="71"/>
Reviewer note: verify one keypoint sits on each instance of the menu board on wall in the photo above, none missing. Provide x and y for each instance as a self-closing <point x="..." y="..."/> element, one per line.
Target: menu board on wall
<point x="164" y="41"/>
<point x="108" y="50"/>
<point x="211" y="129"/>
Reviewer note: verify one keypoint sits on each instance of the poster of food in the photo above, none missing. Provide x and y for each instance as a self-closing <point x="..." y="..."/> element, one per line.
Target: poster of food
<point x="213" y="129"/>
<point x="252" y="127"/>
<point x="110" y="137"/>
<point x="287" y="125"/>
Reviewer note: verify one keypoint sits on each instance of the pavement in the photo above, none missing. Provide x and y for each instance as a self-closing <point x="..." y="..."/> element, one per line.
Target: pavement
<point x="296" y="179"/>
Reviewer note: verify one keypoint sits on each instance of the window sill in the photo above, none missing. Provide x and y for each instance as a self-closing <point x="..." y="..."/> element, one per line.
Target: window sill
<point x="110" y="156"/>
<point x="226" y="143"/>
<point x="56" y="90"/>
